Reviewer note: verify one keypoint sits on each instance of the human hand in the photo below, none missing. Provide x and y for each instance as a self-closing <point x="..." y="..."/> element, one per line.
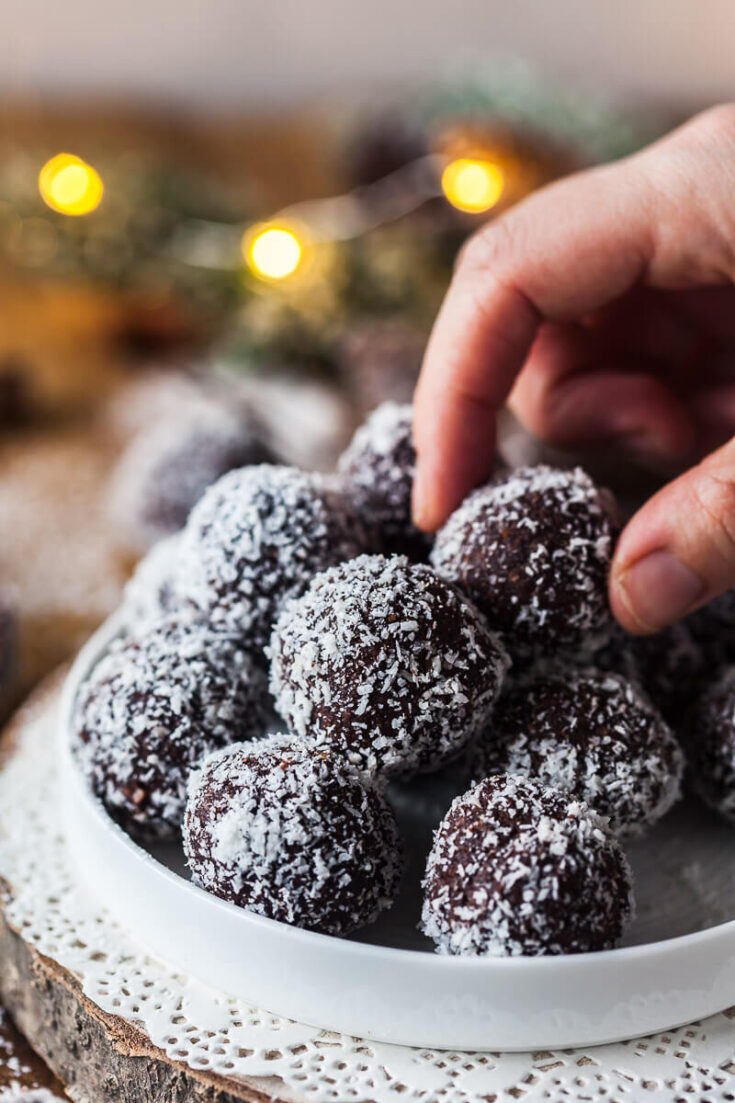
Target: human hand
<point x="603" y="309"/>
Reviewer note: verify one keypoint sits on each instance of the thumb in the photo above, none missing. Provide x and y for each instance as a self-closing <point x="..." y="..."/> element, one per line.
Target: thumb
<point x="678" y="551"/>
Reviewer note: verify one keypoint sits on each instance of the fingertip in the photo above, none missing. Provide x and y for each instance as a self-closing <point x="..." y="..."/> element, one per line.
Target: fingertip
<point x="454" y="437"/>
<point x="572" y="398"/>
<point x="424" y="517"/>
<point x="431" y="501"/>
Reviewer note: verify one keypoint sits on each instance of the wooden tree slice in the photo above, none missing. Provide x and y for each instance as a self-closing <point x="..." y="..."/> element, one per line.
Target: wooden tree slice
<point x="96" y="1056"/>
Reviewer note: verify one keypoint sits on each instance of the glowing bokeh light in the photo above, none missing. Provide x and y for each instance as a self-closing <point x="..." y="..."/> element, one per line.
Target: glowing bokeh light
<point x="472" y="185"/>
<point x="69" y="185"/>
<point x="273" y="252"/>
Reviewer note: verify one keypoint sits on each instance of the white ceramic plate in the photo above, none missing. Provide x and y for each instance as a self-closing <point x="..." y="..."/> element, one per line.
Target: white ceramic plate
<point x="678" y="963"/>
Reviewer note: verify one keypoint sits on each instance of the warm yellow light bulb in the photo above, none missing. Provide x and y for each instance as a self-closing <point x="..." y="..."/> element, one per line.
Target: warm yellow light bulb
<point x="69" y="185"/>
<point x="273" y="252"/>
<point x="471" y="185"/>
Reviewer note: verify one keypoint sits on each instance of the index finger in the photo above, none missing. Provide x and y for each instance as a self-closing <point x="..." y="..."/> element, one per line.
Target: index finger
<point x="566" y="250"/>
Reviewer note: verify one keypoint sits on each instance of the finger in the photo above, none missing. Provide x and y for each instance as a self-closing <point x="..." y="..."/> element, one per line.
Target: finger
<point x="662" y="217"/>
<point x="678" y="551"/>
<point x="502" y="290"/>
<point x="457" y="399"/>
<point x="574" y="393"/>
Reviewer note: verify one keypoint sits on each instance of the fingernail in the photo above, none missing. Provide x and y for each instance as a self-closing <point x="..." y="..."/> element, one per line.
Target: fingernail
<point x="659" y="589"/>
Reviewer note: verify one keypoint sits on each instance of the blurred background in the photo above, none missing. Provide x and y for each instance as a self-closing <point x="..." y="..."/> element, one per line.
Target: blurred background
<point x="225" y="228"/>
<point x="231" y="53"/>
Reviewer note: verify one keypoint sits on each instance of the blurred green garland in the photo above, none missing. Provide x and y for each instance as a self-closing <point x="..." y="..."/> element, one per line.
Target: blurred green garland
<point x="158" y="223"/>
<point x="126" y="242"/>
<point x="513" y="92"/>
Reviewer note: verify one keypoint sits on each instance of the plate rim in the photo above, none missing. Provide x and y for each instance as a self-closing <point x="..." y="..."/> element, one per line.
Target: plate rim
<point x="386" y="994"/>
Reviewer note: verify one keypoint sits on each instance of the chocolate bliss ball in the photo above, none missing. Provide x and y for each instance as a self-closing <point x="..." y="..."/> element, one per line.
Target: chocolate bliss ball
<point x="517" y="868"/>
<point x="709" y="736"/>
<point x="168" y="466"/>
<point x="285" y="830"/>
<point x="533" y="551"/>
<point x="153" y="707"/>
<point x="257" y="538"/>
<point x="387" y="664"/>
<point x="592" y="734"/>
<point x="377" y="470"/>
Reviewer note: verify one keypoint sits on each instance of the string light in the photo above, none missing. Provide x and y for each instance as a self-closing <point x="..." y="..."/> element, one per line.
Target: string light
<point x="272" y="252"/>
<point x="69" y="185"/>
<point x="472" y="185"/>
<point x="278" y="249"/>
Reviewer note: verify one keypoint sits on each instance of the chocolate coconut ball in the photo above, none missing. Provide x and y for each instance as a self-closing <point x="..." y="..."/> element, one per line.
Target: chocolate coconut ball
<point x="615" y="656"/>
<point x="377" y="470"/>
<point x="151" y="592"/>
<point x="713" y="628"/>
<point x="285" y="830"/>
<point x="593" y="735"/>
<point x="170" y="464"/>
<point x="517" y="868"/>
<point x="385" y="663"/>
<point x="153" y="707"/>
<point x="256" y="539"/>
<point x="667" y="666"/>
<point x="670" y="667"/>
<point x="709" y="736"/>
<point x="533" y="550"/>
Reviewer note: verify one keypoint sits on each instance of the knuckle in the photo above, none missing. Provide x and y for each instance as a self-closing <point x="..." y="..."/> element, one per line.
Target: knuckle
<point x="488" y="248"/>
<point x="716" y="123"/>
<point x="712" y="131"/>
<point x="688" y="179"/>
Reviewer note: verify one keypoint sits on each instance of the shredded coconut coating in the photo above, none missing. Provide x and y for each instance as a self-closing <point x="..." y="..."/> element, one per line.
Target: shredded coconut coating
<point x="378" y="469"/>
<point x="615" y="656"/>
<point x="533" y="550"/>
<point x="517" y="868"/>
<point x="670" y="666"/>
<point x="709" y="738"/>
<point x="153" y="706"/>
<point x="169" y="464"/>
<point x="713" y="627"/>
<point x="151" y="592"/>
<point x="387" y="664"/>
<point x="285" y="830"/>
<point x="593" y="735"/>
<point x="667" y="667"/>
<point x="256" y="539"/>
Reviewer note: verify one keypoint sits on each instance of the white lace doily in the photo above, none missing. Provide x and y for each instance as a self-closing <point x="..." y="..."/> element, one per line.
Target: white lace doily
<point x="211" y="1031"/>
